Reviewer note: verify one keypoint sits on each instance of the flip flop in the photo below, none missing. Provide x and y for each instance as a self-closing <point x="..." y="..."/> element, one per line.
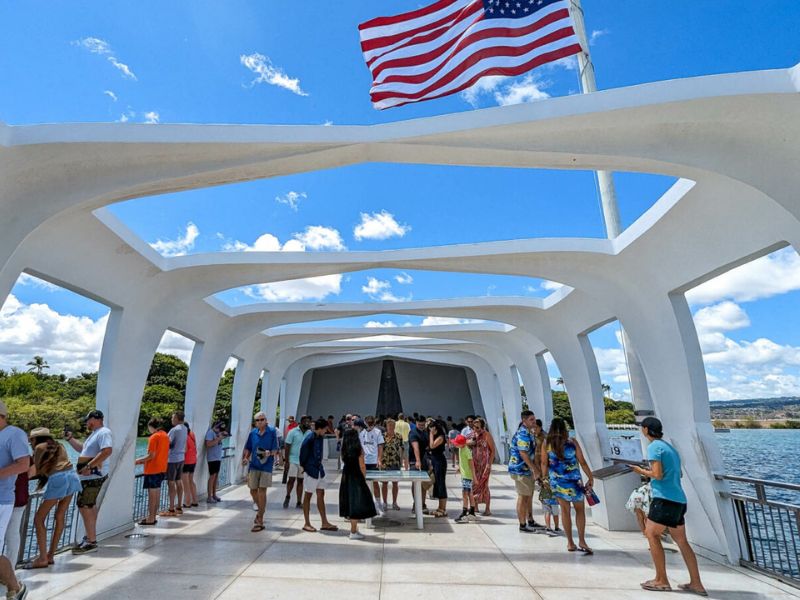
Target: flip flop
<point x="572" y="549"/>
<point x="329" y="528"/>
<point x="586" y="550"/>
<point x="257" y="528"/>
<point x="29" y="565"/>
<point x="148" y="524"/>
<point x="653" y="587"/>
<point x="684" y="587"/>
<point x="309" y="528"/>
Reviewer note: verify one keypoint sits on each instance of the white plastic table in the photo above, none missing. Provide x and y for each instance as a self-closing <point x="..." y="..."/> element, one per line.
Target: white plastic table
<point x="416" y="477"/>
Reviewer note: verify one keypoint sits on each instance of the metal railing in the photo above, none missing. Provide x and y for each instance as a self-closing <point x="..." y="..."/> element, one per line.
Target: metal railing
<point x="768" y="524"/>
<point x="28" y="548"/>
<point x="140" y="498"/>
<point x="227" y="468"/>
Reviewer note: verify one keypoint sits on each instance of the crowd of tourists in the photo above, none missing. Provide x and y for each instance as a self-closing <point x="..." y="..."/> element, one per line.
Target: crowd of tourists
<point x="549" y="461"/>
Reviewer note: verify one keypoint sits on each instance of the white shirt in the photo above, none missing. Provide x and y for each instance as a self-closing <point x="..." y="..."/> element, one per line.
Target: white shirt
<point x="467" y="431"/>
<point x="98" y="440"/>
<point x="370" y="440"/>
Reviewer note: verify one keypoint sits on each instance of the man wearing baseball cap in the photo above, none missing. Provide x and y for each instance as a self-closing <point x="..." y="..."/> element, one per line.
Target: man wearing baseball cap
<point x="93" y="465"/>
<point x="14" y="459"/>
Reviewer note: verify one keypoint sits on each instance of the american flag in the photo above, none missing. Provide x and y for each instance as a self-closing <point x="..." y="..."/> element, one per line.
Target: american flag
<point x="447" y="46"/>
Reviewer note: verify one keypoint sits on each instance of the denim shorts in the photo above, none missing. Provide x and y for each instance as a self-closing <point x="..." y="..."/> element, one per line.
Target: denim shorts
<point x="62" y="484"/>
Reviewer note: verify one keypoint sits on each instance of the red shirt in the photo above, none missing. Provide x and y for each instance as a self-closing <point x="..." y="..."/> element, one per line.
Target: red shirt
<point x="191" y="450"/>
<point x="289" y="427"/>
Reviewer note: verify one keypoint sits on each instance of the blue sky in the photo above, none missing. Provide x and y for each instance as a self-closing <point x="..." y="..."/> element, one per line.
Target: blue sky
<point x="257" y="62"/>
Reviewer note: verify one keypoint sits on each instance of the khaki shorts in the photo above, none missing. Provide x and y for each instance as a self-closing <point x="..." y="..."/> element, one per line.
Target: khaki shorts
<point x="294" y="471"/>
<point x="524" y="484"/>
<point x="258" y="479"/>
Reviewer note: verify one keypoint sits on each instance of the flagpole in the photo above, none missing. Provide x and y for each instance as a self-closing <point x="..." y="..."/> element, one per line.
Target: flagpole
<point x="640" y="391"/>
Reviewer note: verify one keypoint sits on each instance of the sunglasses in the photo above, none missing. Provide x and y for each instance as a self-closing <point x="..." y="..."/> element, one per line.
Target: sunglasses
<point x="257" y="420"/>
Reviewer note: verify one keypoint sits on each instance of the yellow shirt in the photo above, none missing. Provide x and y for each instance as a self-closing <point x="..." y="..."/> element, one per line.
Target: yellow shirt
<point x="402" y="428"/>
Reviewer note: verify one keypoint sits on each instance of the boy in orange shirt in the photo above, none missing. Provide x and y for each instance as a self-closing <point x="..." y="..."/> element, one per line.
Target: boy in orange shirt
<point x="155" y="467"/>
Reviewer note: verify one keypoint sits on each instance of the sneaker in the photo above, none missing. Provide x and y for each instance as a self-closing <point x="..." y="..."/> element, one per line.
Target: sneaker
<point x="551" y="532"/>
<point x="534" y="525"/>
<point x="357" y="536"/>
<point x="384" y="507"/>
<point x="472" y="516"/>
<point x="210" y="500"/>
<point x="20" y="594"/>
<point x="84" y="539"/>
<point x="462" y="518"/>
<point x="557" y="530"/>
<point x="525" y="529"/>
<point x="378" y="508"/>
<point x="395" y="506"/>
<point x="217" y="499"/>
<point x="286" y="502"/>
<point x="255" y="506"/>
<point x="298" y="504"/>
<point x="85" y="548"/>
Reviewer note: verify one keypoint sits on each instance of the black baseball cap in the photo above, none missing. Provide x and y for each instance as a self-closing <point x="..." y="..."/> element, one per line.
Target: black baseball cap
<point x="653" y="426"/>
<point x="94" y="414"/>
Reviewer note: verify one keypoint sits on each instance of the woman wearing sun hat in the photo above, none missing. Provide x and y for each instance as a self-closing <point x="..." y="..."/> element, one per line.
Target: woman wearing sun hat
<point x="53" y="467"/>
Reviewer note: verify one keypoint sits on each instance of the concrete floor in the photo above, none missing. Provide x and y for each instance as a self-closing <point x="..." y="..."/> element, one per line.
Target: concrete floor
<point x="211" y="553"/>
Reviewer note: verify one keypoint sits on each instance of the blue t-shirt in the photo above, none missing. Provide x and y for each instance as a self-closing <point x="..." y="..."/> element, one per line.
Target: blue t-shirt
<point x="260" y="446"/>
<point x="669" y="486"/>
<point x="213" y="453"/>
<point x="13" y="446"/>
<point x="295" y="438"/>
<point x="521" y="442"/>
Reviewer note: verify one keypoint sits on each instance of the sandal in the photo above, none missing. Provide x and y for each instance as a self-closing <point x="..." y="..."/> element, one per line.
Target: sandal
<point x="146" y="523"/>
<point x="257" y="527"/>
<point x="439" y="514"/>
<point x="586" y="550"/>
<point x="167" y="513"/>
<point x="29" y="565"/>
<point x="329" y="528"/>
<point x="309" y="528"/>
<point x="685" y="587"/>
<point x="651" y="586"/>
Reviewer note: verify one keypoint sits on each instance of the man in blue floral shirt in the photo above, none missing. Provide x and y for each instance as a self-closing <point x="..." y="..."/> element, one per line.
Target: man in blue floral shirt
<point x="520" y="467"/>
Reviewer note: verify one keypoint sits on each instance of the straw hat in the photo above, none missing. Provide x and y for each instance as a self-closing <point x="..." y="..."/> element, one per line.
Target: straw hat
<point x="41" y="432"/>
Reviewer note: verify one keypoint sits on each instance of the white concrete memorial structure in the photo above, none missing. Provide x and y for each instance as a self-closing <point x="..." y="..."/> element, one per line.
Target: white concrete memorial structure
<point x="732" y="140"/>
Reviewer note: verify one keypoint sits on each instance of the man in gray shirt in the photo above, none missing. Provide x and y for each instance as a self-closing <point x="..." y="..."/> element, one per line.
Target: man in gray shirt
<point x="14" y="459"/>
<point x="177" y="453"/>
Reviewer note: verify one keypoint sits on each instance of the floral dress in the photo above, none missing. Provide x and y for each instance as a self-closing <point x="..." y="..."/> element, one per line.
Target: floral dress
<point x="565" y="474"/>
<point x="482" y="457"/>
<point x="640" y="498"/>
<point x="392" y="453"/>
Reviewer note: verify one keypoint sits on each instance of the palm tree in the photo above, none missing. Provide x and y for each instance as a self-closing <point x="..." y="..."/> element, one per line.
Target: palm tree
<point x="560" y="381"/>
<point x="606" y="388"/>
<point x="38" y="364"/>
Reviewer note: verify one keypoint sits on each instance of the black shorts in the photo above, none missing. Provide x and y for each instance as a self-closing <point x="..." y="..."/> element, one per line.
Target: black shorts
<point x="153" y="482"/>
<point x="666" y="512"/>
<point x="188" y="468"/>
<point x="90" y="490"/>
<point x="372" y="466"/>
<point x="174" y="471"/>
<point x="213" y="466"/>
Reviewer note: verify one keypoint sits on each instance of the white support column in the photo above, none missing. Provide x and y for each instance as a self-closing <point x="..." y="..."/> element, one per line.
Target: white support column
<point x="545" y="390"/>
<point x="205" y="369"/>
<point x="666" y="341"/>
<point x="245" y="384"/>
<point x="130" y="342"/>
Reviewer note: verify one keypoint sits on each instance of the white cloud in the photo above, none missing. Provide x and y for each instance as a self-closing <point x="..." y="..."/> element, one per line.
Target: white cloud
<point x="317" y="237"/>
<point x="484" y="85"/>
<point x="380" y="324"/>
<point x="70" y="344"/>
<point x="25" y="279"/>
<point x="725" y="316"/>
<point x="292" y="199"/>
<point x="380" y="290"/>
<point x="103" y="48"/>
<point x="529" y="89"/>
<point x="434" y="321"/>
<point x="177" y="345"/>
<point x="770" y="275"/>
<point x="152" y="117"/>
<point x="297" y="290"/>
<point x="266" y="72"/>
<point x="110" y="94"/>
<point x="379" y="226"/>
<point x="179" y="246"/>
<point x="404" y="279"/>
<point x="314" y="237"/>
<point x="596" y="34"/>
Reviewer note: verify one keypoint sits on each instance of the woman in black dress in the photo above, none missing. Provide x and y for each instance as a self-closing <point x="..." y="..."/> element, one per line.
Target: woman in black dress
<point x="437" y="437"/>
<point x="355" y="497"/>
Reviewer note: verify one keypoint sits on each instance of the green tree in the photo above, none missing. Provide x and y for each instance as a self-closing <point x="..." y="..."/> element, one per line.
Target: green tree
<point x="38" y="364"/>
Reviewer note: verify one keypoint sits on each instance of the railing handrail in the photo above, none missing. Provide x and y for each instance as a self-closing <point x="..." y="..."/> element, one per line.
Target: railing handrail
<point x="742" y="497"/>
<point x="765" y="482"/>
